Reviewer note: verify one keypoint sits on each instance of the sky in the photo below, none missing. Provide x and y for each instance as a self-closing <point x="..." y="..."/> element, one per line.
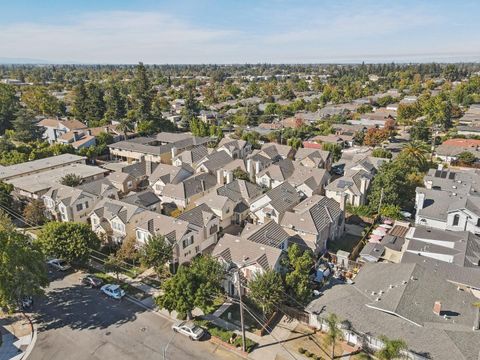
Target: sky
<point x="239" y="31"/>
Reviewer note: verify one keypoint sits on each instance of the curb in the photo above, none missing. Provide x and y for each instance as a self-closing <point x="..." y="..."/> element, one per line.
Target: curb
<point x="139" y="303"/>
<point x="30" y="346"/>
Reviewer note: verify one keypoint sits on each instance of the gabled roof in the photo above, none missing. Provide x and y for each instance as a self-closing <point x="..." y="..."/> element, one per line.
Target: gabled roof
<point x="69" y="124"/>
<point x="216" y="160"/>
<point x="398" y="300"/>
<point x="199" y="216"/>
<point x="170" y="174"/>
<point x="351" y="180"/>
<point x="312" y="215"/>
<point x="240" y="252"/>
<point x="109" y="209"/>
<point x="66" y="194"/>
<point x="283" y="197"/>
<point x="143" y="199"/>
<point x="195" y="184"/>
<point x="194" y="155"/>
<point x="157" y="224"/>
<point x="98" y="187"/>
<point x="270" y="233"/>
<point x="239" y="190"/>
<point x="279" y="171"/>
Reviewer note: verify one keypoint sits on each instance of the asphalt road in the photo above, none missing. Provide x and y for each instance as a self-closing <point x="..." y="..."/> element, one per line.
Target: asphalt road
<point x="78" y="323"/>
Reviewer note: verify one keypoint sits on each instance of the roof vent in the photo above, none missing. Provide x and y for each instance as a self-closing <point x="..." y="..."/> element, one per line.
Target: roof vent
<point x="391" y="286"/>
<point x="373" y="293"/>
<point x="377" y="299"/>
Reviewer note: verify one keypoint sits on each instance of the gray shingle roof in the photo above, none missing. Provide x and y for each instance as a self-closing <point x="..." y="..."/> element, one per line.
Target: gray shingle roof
<point x="270" y="233"/>
<point x="199" y="215"/>
<point x="283" y="197"/>
<point x="143" y="199"/>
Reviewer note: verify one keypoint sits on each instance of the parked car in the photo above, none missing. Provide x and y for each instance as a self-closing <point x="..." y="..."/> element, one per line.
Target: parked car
<point x="112" y="290"/>
<point x="188" y="328"/>
<point x="59" y="264"/>
<point x="91" y="281"/>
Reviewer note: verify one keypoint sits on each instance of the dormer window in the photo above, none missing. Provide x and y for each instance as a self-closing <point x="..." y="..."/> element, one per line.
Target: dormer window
<point x="456" y="220"/>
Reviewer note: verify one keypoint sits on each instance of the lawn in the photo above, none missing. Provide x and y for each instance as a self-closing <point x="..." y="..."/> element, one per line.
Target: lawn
<point x="250" y="323"/>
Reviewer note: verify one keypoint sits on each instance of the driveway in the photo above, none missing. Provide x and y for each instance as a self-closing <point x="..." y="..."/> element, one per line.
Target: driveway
<point x="78" y="323"/>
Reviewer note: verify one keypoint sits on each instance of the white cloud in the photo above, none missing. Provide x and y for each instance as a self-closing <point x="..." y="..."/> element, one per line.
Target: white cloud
<point x="118" y="37"/>
<point x="304" y="35"/>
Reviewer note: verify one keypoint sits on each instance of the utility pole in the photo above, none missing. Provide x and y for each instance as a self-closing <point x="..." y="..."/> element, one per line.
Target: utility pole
<point x="380" y="203"/>
<point x="239" y="286"/>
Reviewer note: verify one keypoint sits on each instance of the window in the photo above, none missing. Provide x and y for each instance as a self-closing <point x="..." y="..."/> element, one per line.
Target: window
<point x="94" y="221"/>
<point x="478" y="222"/>
<point x="213" y="229"/>
<point x="456" y="220"/>
<point x="129" y="184"/>
<point x="187" y="242"/>
<point x="197" y="249"/>
<point x="79" y="207"/>
<point x="86" y="205"/>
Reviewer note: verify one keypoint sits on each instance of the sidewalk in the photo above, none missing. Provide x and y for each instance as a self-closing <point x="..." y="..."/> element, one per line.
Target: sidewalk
<point x="16" y="336"/>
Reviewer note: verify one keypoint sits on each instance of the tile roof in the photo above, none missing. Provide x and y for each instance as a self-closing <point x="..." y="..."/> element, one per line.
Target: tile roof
<point x="199" y="216"/>
<point x="270" y="233"/>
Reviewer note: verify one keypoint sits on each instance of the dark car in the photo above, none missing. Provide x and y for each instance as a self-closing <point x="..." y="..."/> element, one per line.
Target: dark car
<point x="91" y="281"/>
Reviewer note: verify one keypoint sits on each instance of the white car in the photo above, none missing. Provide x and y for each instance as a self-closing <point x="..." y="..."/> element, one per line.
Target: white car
<point x="188" y="328"/>
<point x="59" y="264"/>
<point x="112" y="290"/>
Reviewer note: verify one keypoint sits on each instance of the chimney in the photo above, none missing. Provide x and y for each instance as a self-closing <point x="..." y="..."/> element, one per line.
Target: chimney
<point x="437" y="308"/>
<point x="220" y="177"/>
<point x="249" y="167"/>
<point x="420" y="200"/>
<point x="229" y="177"/>
<point x="174" y="152"/>
<point x="343" y="201"/>
<point x="202" y="184"/>
<point x="363" y="185"/>
<point x="148" y="168"/>
<point x="257" y="167"/>
<point x="476" y="324"/>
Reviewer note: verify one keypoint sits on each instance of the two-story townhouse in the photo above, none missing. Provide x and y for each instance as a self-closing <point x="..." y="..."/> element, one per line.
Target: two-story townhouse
<point x="205" y="222"/>
<point x="274" y="203"/>
<point x="191" y="157"/>
<point x="186" y="242"/>
<point x="168" y="174"/>
<point x="244" y="259"/>
<point x="314" y="158"/>
<point x="309" y="180"/>
<point x="275" y="174"/>
<point x="189" y="190"/>
<point x="316" y="220"/>
<point x="221" y="205"/>
<point x="112" y="221"/>
<point x="64" y="203"/>
<point x="213" y="162"/>
<point x="55" y="128"/>
<point x="353" y="186"/>
<point x="237" y="149"/>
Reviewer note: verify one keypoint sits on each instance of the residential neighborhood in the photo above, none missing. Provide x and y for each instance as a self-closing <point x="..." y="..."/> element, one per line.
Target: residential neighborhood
<point x="250" y="198"/>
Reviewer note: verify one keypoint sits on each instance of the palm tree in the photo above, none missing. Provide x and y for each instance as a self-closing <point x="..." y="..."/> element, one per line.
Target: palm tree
<point x="125" y="125"/>
<point x="416" y="150"/>
<point x="392" y="348"/>
<point x="334" y="333"/>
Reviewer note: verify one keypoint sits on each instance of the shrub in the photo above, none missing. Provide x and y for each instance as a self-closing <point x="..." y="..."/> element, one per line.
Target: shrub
<point x="301" y="350"/>
<point x="307" y="353"/>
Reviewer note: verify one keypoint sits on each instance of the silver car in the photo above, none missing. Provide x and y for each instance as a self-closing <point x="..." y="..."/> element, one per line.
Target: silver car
<point x="59" y="264"/>
<point x="188" y="328"/>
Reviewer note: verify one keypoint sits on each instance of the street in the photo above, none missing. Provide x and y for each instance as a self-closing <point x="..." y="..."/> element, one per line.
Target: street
<point x="79" y="323"/>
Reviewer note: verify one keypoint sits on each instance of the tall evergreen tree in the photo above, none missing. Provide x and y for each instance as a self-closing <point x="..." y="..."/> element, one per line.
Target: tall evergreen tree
<point x="95" y="103"/>
<point x="115" y="103"/>
<point x="80" y="103"/>
<point x="141" y="93"/>
<point x="25" y="126"/>
<point x="8" y="106"/>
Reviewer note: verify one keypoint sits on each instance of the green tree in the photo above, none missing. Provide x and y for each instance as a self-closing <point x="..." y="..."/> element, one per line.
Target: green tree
<point x="95" y="104"/>
<point x="141" y="93"/>
<point x="115" y="104"/>
<point x="420" y="131"/>
<point x="156" y="252"/>
<point x="335" y="149"/>
<point x="70" y="241"/>
<point x="39" y="101"/>
<point x="126" y="125"/>
<point x="113" y="264"/>
<point x="194" y="285"/>
<point x="22" y="266"/>
<point x="299" y="263"/>
<point x="381" y="153"/>
<point x="34" y="212"/>
<point x="71" y="180"/>
<point x="240" y="174"/>
<point x="8" y="106"/>
<point x="266" y="290"/>
<point x="5" y="191"/>
<point x="80" y="102"/>
<point x="25" y="126"/>
<point x="392" y="348"/>
<point x="416" y="153"/>
<point x="334" y="333"/>
<point x="466" y="157"/>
